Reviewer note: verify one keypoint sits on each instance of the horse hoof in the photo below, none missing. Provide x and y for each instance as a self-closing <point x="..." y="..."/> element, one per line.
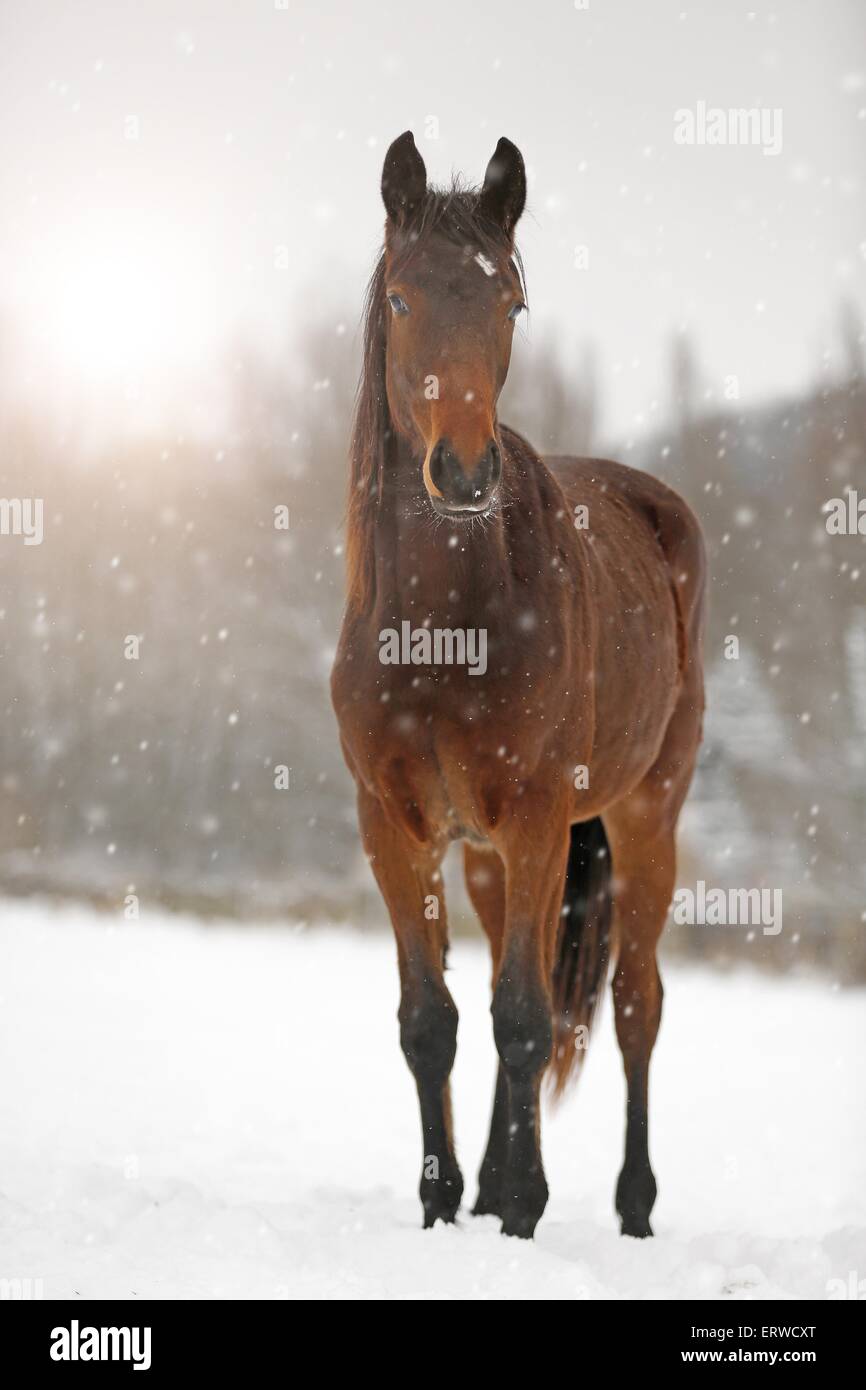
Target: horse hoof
<point x="487" y="1206"/>
<point x="635" y="1197"/>
<point x="522" y="1213"/>
<point x="440" y="1198"/>
<point x="637" y="1226"/>
<point x="521" y="1224"/>
<point x="446" y="1216"/>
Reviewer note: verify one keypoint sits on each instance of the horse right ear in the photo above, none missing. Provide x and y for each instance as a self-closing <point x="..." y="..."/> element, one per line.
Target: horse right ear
<point x="404" y="179"/>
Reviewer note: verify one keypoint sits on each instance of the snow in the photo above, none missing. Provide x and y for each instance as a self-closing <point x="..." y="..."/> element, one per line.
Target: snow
<point x="193" y="1111"/>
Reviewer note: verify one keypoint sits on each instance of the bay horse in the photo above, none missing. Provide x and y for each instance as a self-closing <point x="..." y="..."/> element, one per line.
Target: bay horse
<point x="564" y="762"/>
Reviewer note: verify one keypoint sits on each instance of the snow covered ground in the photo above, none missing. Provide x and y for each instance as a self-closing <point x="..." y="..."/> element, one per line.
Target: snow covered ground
<point x="223" y="1111"/>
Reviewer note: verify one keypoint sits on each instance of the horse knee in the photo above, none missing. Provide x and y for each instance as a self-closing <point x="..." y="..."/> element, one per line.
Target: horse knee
<point x="522" y="1028"/>
<point x="428" y="1035"/>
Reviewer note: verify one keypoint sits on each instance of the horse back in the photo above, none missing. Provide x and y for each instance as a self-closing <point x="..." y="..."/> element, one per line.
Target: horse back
<point x="670" y="518"/>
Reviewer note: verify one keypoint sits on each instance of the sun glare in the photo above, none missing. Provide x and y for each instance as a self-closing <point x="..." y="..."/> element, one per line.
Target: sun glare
<point x="123" y="309"/>
<point x="112" y="319"/>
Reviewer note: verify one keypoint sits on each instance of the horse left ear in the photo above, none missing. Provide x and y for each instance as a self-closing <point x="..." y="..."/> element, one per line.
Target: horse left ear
<point x="504" y="193"/>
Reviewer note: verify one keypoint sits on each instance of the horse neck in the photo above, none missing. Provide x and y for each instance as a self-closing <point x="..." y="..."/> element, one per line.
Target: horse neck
<point x="430" y="569"/>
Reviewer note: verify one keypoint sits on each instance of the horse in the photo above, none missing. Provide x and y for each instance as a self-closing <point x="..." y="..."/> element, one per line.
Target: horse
<point x="562" y="759"/>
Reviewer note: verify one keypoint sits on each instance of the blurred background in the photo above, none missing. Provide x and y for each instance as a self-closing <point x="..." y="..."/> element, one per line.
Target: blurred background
<point x="189" y="213"/>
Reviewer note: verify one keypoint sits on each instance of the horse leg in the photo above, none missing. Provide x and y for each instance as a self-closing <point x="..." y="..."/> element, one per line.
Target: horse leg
<point x="641" y="832"/>
<point x="485" y="883"/>
<point x="410" y="882"/>
<point x="521" y="1008"/>
<point x="644" y="867"/>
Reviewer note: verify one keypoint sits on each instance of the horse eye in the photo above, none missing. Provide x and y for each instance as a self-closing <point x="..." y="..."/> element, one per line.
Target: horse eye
<point x="398" y="304"/>
<point x="515" y="311"/>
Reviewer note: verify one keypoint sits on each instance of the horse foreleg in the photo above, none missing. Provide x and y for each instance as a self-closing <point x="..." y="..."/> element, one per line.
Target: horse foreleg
<point x="485" y="883"/>
<point x="410" y="882"/>
<point x="522" y="1024"/>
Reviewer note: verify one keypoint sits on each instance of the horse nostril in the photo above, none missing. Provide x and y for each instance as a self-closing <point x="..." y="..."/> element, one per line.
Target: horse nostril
<point x="438" y="460"/>
<point x="447" y="476"/>
<point x="489" y="470"/>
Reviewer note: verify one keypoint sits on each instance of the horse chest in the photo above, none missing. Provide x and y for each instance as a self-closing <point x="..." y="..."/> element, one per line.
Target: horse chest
<point x="450" y="752"/>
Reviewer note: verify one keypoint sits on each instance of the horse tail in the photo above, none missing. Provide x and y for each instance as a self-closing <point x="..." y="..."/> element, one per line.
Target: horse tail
<point x="582" y="949"/>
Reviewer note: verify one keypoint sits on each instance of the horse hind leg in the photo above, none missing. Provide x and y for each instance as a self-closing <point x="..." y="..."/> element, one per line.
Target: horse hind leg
<point x="485" y="883"/>
<point x="641" y="831"/>
<point x="644" y="867"/>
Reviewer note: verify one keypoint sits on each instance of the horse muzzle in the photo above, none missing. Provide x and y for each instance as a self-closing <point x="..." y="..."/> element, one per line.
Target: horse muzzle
<point x="458" y="492"/>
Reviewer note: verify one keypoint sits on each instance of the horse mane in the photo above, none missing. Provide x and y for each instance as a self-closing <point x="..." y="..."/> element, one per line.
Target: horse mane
<point x="452" y="213"/>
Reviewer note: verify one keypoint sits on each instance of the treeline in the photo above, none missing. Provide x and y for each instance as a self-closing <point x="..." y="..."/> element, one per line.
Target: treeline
<point x="198" y="765"/>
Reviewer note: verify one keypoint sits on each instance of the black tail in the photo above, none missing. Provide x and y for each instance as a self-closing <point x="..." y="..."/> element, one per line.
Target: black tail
<point x="582" y="951"/>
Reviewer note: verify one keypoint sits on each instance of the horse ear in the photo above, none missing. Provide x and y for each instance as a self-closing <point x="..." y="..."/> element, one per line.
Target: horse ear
<point x="404" y="179"/>
<point x="504" y="193"/>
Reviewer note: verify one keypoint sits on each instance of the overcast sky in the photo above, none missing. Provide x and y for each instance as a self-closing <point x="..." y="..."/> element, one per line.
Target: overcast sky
<point x="154" y="158"/>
